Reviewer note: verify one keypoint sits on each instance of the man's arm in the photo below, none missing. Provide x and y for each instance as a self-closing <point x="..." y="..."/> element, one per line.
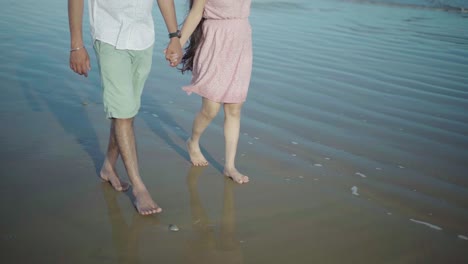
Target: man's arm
<point x="79" y="58"/>
<point x="167" y="9"/>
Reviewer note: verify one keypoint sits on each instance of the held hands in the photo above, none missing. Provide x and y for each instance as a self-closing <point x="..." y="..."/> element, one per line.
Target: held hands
<point x="79" y="61"/>
<point x="173" y="52"/>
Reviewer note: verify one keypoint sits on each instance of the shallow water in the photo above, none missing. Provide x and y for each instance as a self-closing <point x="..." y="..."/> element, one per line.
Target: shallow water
<point x="346" y="98"/>
<point x="427" y="3"/>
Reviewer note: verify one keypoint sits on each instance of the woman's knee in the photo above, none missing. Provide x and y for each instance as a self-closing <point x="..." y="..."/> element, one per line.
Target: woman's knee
<point x="232" y="110"/>
<point x="209" y="112"/>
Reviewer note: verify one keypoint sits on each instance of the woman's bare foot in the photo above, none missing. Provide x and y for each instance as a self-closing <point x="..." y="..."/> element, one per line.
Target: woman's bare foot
<point x="236" y="176"/>
<point x="109" y="175"/>
<point x="144" y="203"/>
<point x="196" y="157"/>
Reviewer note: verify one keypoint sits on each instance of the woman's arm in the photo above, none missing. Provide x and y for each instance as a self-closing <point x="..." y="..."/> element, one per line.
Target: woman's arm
<point x="193" y="19"/>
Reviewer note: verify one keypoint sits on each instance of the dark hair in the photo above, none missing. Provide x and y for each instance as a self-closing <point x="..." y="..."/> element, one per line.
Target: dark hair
<point x="194" y="42"/>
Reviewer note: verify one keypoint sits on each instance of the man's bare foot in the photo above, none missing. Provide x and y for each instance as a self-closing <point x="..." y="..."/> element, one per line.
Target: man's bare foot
<point x="144" y="203"/>
<point x="236" y="176"/>
<point x="109" y="175"/>
<point x="196" y="157"/>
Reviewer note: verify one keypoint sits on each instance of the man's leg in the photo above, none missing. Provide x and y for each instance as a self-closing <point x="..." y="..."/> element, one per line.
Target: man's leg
<point x="125" y="138"/>
<point x="123" y="77"/>
<point x="204" y="117"/>
<point x="108" y="171"/>
<point x="232" y="114"/>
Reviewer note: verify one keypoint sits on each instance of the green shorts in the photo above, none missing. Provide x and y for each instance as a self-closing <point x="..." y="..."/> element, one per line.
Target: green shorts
<point x="123" y="76"/>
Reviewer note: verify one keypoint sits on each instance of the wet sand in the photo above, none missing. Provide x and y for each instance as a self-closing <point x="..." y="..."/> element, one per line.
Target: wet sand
<point x="354" y="135"/>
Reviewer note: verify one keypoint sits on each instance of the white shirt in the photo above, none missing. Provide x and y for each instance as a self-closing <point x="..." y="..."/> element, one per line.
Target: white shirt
<point x="125" y="24"/>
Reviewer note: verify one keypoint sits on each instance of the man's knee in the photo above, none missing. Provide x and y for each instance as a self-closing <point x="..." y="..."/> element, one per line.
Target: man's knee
<point x="123" y="121"/>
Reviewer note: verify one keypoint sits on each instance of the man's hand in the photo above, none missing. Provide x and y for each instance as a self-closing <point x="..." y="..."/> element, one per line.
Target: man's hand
<point x="79" y="61"/>
<point x="173" y="58"/>
<point x="174" y="52"/>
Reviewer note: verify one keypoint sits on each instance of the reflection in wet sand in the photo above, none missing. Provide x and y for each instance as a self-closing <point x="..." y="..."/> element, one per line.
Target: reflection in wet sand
<point x="206" y="246"/>
<point x="207" y="242"/>
<point x="125" y="237"/>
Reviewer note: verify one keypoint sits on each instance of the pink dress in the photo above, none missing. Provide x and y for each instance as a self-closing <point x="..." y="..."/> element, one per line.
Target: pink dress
<point x="223" y="62"/>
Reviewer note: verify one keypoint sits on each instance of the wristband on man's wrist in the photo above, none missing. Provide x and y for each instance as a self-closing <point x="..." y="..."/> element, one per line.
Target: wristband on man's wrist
<point x="174" y="34"/>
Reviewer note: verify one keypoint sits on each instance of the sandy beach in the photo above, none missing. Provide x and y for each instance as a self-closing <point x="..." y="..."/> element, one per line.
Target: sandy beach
<point x="354" y="135"/>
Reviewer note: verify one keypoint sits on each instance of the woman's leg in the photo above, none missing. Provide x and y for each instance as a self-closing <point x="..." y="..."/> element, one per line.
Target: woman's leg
<point x="208" y="111"/>
<point x="232" y="114"/>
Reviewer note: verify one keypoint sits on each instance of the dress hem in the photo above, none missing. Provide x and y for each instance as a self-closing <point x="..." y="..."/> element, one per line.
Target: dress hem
<point x="194" y="89"/>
